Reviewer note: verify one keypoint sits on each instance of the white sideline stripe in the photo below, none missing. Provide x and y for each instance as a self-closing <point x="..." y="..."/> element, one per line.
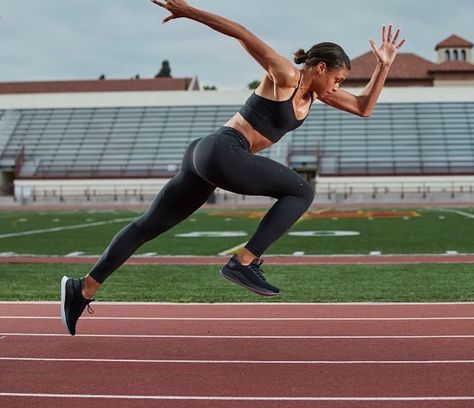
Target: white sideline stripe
<point x="230" y="251"/>
<point x="269" y="256"/>
<point x="225" y="398"/>
<point x="465" y="214"/>
<point x="245" y="319"/>
<point x="263" y="362"/>
<point x="264" y="337"/>
<point x="236" y="304"/>
<point x="68" y="227"/>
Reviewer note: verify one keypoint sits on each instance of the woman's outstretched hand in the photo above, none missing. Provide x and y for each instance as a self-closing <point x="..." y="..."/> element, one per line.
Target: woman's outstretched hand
<point x="387" y="52"/>
<point x="177" y="8"/>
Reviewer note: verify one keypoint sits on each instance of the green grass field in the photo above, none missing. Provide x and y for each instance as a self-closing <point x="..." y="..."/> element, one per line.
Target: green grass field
<point x="422" y="231"/>
<point x="63" y="232"/>
<point x="171" y="283"/>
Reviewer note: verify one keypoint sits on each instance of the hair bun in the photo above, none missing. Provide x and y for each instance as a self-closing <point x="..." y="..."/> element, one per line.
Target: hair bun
<point x="300" y="56"/>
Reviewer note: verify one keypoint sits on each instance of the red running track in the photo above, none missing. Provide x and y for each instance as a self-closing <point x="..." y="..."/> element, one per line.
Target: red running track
<point x="239" y="355"/>
<point x="269" y="259"/>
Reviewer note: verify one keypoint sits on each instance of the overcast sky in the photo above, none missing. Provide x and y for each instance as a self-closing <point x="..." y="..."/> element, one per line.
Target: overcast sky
<point x="81" y="39"/>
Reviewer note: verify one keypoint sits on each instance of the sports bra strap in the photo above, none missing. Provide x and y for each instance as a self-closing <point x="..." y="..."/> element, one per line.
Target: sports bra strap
<point x="297" y="87"/>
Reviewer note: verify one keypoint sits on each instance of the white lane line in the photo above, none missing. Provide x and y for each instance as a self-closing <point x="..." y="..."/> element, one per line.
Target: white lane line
<point x="263" y="337"/>
<point x="226" y="398"/>
<point x="69" y="227"/>
<point x="243" y="362"/>
<point x="248" y="319"/>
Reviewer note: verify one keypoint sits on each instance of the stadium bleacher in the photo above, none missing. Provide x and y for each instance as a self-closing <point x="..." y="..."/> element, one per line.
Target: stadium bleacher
<point x="110" y="142"/>
<point x="400" y="138"/>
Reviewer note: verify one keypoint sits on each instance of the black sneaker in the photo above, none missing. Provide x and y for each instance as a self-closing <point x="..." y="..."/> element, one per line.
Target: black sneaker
<point x="72" y="303"/>
<point x="250" y="277"/>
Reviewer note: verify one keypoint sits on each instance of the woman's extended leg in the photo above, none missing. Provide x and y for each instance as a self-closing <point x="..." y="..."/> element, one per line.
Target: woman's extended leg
<point x="181" y="196"/>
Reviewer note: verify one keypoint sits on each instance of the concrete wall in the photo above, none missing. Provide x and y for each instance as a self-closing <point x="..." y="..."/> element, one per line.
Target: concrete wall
<point x="200" y="98"/>
<point x="329" y="190"/>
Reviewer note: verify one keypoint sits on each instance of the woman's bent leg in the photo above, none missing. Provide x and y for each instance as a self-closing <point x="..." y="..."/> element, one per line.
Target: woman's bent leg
<point x="241" y="172"/>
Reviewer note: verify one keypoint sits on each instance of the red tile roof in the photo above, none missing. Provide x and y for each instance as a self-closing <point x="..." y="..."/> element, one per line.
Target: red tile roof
<point x="450" y="66"/>
<point x="406" y="66"/>
<point x="454" y="41"/>
<point x="104" y="85"/>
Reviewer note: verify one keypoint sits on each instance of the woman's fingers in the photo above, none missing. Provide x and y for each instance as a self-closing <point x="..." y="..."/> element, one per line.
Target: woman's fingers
<point x="389" y="35"/>
<point x="159" y="3"/>
<point x="396" y="36"/>
<point x="165" y="20"/>
<point x="164" y="5"/>
<point x="373" y="44"/>
<point x="401" y="44"/>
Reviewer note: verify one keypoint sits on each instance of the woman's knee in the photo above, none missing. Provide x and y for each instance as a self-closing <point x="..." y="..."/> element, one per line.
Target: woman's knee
<point x="307" y="193"/>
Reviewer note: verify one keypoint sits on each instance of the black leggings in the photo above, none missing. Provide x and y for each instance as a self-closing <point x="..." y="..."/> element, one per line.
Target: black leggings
<point x="223" y="160"/>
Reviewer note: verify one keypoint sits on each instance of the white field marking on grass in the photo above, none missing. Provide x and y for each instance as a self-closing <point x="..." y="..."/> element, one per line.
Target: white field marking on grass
<point x="226" y="398"/>
<point x="249" y="319"/>
<point x="72" y="254"/>
<point x="243" y="362"/>
<point x="146" y="254"/>
<point x="69" y="227"/>
<point x="263" y="337"/>
<point x="231" y="251"/>
<point x="463" y="213"/>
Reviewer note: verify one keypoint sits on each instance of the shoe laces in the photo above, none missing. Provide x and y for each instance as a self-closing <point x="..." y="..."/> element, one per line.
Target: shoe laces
<point x="87" y="301"/>
<point x="88" y="304"/>
<point x="255" y="267"/>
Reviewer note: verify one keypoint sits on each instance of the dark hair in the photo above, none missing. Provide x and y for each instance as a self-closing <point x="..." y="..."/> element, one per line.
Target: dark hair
<point x="331" y="54"/>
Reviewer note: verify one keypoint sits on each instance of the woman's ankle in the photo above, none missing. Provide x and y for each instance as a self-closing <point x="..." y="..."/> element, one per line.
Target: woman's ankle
<point x="89" y="287"/>
<point x="245" y="257"/>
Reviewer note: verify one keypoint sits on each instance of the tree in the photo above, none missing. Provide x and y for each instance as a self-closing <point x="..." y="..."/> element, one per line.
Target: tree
<point x="165" y="71"/>
<point x="254" y="84"/>
<point x="210" y="88"/>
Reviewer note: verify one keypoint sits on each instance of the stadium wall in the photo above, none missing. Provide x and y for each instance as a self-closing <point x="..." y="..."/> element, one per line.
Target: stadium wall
<point x="329" y="190"/>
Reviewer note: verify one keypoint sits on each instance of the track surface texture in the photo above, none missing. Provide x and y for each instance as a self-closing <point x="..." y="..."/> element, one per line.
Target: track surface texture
<point x="239" y="355"/>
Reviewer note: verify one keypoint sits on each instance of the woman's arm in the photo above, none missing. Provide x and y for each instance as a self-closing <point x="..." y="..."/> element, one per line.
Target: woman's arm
<point x="364" y="103"/>
<point x="279" y="69"/>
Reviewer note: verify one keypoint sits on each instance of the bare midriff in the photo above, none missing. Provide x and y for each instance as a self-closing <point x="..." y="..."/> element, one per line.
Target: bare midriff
<point x="256" y="140"/>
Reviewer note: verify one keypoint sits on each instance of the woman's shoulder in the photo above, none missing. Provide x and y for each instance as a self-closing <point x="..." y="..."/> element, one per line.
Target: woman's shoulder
<point x="287" y="78"/>
<point x="282" y="90"/>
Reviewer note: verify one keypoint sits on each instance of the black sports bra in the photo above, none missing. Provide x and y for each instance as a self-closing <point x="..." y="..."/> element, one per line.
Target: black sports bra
<point x="271" y="118"/>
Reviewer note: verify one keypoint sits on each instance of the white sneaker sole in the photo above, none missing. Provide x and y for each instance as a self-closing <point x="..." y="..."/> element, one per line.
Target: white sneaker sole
<point x="63" y="302"/>
<point x="258" y="291"/>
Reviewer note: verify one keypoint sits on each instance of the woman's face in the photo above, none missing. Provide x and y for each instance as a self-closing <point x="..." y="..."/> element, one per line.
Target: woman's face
<point x="327" y="81"/>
